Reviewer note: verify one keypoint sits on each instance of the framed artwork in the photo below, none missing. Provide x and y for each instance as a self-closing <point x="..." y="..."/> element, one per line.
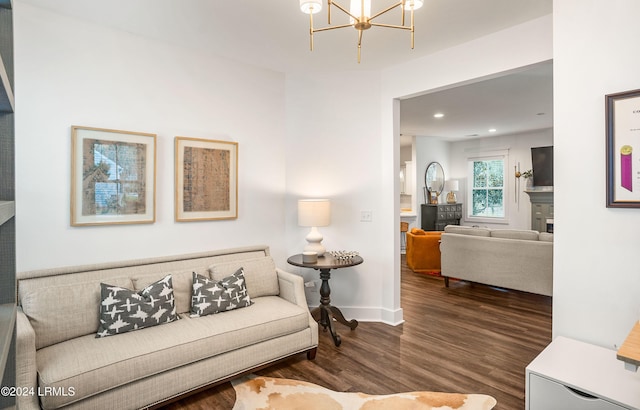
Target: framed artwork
<point x="206" y="179"/>
<point x="623" y="149"/>
<point x="113" y="177"/>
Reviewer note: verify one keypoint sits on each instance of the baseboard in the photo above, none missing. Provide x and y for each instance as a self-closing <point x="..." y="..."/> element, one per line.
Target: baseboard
<point x="393" y="317"/>
<point x="364" y="314"/>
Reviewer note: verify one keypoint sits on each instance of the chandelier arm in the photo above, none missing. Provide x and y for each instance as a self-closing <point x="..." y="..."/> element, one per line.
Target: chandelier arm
<point x="391" y="26"/>
<point x="412" y="30"/>
<point x="386" y="10"/>
<point x="359" y="44"/>
<point x="345" y="11"/>
<point x="315" y="30"/>
<point x="361" y="22"/>
<point x="412" y="38"/>
<point x="311" y="31"/>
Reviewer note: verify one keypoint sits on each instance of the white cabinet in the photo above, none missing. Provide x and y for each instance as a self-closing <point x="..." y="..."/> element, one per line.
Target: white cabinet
<point x="549" y="394"/>
<point x="407" y="188"/>
<point x="409" y="179"/>
<point x="573" y="375"/>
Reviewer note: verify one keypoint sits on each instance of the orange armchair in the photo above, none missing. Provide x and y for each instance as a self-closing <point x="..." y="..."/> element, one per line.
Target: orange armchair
<point x="423" y="251"/>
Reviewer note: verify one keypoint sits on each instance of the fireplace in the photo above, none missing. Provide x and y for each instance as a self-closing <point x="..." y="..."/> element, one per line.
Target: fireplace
<point x="550" y="225"/>
<point x="541" y="208"/>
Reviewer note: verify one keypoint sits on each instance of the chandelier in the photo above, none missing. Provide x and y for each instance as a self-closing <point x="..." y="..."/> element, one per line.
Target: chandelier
<point x="360" y="16"/>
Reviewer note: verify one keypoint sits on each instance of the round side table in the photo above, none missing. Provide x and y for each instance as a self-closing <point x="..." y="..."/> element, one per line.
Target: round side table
<point x="325" y="313"/>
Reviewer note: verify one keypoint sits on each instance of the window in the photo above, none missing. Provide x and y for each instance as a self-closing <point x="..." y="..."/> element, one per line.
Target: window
<point x="487" y="189"/>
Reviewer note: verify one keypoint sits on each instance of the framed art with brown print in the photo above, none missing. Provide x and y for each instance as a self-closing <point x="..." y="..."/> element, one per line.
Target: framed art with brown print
<point x="113" y="177"/>
<point x="206" y="179"/>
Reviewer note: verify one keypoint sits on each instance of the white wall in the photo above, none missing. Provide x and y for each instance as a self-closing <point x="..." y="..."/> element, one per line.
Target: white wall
<point x="333" y="151"/>
<point x="354" y="143"/>
<point x="596" y="274"/>
<point x="485" y="57"/>
<point x="428" y="150"/>
<point x="72" y="73"/>
<point x="519" y="147"/>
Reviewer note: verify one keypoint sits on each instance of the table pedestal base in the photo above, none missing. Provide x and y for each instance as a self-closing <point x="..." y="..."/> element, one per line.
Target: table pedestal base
<point x="325" y="314"/>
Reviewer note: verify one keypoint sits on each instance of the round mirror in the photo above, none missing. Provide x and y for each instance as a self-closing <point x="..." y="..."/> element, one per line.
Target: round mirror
<point x="434" y="180"/>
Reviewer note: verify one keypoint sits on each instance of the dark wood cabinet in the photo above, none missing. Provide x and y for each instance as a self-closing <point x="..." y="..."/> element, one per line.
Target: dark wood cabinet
<point x="436" y="217"/>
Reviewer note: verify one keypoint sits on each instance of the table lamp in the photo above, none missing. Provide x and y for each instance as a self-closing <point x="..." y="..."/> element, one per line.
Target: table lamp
<point x="314" y="213"/>
<point x="451" y="186"/>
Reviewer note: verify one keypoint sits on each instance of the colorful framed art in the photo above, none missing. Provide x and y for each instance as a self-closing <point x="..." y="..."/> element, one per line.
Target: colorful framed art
<point x="113" y="177"/>
<point x="623" y="149"/>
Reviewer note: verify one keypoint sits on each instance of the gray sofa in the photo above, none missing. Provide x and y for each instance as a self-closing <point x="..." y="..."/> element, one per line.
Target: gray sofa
<point x="61" y="363"/>
<point x="507" y="258"/>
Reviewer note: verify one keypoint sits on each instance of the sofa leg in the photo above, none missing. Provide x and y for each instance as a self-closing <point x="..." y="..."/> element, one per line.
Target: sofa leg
<point x="446" y="281"/>
<point x="311" y="354"/>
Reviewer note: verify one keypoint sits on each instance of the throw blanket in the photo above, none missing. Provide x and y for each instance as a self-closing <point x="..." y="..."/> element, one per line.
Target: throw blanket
<point x="266" y="393"/>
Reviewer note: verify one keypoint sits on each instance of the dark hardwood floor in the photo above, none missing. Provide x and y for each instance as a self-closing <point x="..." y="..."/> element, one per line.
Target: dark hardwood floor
<point x="468" y="338"/>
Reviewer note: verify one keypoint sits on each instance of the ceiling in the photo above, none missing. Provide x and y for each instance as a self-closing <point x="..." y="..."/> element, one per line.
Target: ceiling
<point x="274" y="34"/>
<point x="511" y="104"/>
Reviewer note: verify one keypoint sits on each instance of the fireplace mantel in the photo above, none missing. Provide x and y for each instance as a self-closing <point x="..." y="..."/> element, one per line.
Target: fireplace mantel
<point x="540" y="194"/>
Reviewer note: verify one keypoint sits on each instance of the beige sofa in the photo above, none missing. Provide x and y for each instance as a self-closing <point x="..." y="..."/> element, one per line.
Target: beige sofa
<point x="61" y="363"/>
<point x="507" y="258"/>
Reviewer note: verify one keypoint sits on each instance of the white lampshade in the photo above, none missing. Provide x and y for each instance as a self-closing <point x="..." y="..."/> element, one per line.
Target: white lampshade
<point x="311" y="6"/>
<point x="451" y="185"/>
<point x="416" y="4"/>
<point x="314" y="212"/>
<point x="356" y="9"/>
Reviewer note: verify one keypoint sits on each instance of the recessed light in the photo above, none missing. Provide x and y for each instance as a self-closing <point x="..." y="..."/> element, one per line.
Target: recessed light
<point x="438" y="115"/>
<point x="492" y="130"/>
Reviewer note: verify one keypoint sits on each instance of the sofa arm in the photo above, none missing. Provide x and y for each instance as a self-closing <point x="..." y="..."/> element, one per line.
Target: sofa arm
<point x="292" y="288"/>
<point x="26" y="369"/>
<point x="423" y="252"/>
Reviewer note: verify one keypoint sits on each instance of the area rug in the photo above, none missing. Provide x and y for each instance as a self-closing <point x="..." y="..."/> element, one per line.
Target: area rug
<point x="268" y="393"/>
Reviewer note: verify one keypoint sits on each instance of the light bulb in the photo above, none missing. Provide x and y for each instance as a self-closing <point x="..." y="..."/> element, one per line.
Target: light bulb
<point x="311" y="6"/>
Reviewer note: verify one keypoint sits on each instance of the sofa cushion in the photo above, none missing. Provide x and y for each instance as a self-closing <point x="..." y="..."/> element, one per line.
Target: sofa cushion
<point x="467" y="230"/>
<point x="93" y="365"/>
<point x="211" y="297"/>
<point x="515" y="234"/>
<point x="58" y="313"/>
<point x="182" y="283"/>
<point x="545" y="237"/>
<point x="260" y="274"/>
<point x="124" y="310"/>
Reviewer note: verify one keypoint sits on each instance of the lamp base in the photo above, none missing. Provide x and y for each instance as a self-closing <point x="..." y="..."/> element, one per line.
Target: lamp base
<point x="315" y="242"/>
<point x="451" y="198"/>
